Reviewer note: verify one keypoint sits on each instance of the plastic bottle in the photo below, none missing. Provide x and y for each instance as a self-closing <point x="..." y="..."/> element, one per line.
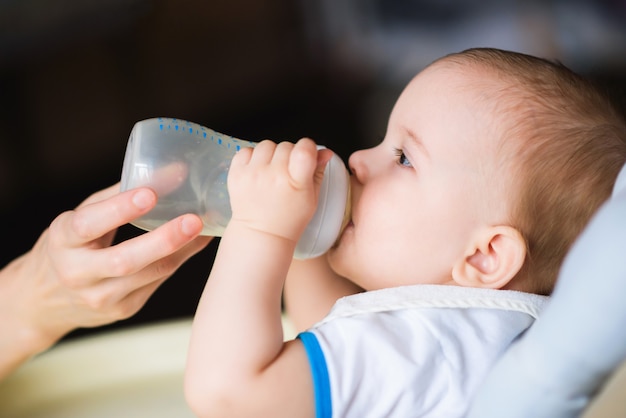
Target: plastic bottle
<point x="187" y="165"/>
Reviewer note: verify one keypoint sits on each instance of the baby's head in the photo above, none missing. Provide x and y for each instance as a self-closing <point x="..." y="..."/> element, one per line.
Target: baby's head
<point x="565" y="143"/>
<point x="501" y="159"/>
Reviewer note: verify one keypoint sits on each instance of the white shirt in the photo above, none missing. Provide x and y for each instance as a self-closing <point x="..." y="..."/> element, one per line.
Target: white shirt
<point x="412" y="351"/>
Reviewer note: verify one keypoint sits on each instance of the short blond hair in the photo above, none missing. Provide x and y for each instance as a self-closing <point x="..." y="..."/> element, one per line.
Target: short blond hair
<point x="567" y="143"/>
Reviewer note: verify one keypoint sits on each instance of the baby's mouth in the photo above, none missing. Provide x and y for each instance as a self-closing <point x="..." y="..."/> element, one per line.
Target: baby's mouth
<point x="347" y="214"/>
<point x="347" y="224"/>
<point x="347" y="217"/>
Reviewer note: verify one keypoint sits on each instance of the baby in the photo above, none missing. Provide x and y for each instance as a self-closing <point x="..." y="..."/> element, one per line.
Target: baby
<point x="492" y="163"/>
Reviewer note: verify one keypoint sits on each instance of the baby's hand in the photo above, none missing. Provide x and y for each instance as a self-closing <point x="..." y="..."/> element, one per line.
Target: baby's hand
<point x="274" y="188"/>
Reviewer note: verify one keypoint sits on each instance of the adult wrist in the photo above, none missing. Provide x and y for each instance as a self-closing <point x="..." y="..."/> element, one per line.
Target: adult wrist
<point x="21" y="337"/>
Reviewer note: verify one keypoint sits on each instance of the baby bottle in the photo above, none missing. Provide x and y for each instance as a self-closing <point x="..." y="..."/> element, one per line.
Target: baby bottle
<point x="187" y="166"/>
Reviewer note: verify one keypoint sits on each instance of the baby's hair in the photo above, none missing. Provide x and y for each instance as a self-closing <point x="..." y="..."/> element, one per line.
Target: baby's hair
<point x="567" y="144"/>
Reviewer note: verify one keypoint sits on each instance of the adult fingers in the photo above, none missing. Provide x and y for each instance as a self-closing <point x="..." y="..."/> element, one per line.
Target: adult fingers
<point x="131" y="256"/>
<point x="101" y="195"/>
<point x="164" y="180"/>
<point x="94" y="220"/>
<point x="135" y="300"/>
<point x="108" y="293"/>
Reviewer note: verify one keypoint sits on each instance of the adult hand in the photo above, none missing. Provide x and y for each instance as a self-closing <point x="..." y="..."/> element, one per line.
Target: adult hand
<point x="73" y="277"/>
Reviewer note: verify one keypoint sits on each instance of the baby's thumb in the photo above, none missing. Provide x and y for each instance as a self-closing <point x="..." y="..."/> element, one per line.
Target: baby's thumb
<point x="323" y="157"/>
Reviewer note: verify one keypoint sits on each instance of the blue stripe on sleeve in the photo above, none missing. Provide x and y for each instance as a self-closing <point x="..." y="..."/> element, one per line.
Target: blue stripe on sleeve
<point x="319" y="371"/>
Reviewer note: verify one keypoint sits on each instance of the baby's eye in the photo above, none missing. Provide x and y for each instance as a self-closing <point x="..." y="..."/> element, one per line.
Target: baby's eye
<point x="402" y="160"/>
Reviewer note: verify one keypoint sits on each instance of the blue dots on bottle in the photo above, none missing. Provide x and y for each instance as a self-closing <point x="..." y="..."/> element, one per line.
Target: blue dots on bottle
<point x="184" y="127"/>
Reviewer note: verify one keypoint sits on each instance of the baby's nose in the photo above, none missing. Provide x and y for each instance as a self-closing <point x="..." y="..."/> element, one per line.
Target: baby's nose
<point x="357" y="165"/>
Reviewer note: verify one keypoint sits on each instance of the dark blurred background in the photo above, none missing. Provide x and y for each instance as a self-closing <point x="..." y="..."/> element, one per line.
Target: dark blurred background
<point x="75" y="75"/>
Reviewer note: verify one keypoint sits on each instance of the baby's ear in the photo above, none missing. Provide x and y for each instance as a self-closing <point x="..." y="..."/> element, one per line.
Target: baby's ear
<point x="492" y="259"/>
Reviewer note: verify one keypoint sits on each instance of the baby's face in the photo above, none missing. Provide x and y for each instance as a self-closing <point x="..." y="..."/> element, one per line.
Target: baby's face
<point x="420" y="195"/>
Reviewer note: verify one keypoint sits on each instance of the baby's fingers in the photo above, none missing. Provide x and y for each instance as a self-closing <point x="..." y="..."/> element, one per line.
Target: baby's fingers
<point x="242" y="157"/>
<point x="303" y="162"/>
<point x="323" y="158"/>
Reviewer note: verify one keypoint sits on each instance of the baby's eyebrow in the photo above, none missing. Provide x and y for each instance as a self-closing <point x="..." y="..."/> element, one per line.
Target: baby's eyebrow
<point x="417" y="141"/>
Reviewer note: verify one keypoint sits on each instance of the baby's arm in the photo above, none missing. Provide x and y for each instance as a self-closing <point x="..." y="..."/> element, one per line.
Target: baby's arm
<point x="311" y="289"/>
<point x="238" y="364"/>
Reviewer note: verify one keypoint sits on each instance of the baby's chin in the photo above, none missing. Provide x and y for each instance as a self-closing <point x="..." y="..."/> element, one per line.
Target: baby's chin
<point x="347" y="230"/>
<point x="332" y="254"/>
<point x="338" y="261"/>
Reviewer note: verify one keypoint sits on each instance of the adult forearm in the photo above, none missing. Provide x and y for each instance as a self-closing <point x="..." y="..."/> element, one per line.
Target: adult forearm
<point x="19" y="339"/>
<point x="16" y="347"/>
